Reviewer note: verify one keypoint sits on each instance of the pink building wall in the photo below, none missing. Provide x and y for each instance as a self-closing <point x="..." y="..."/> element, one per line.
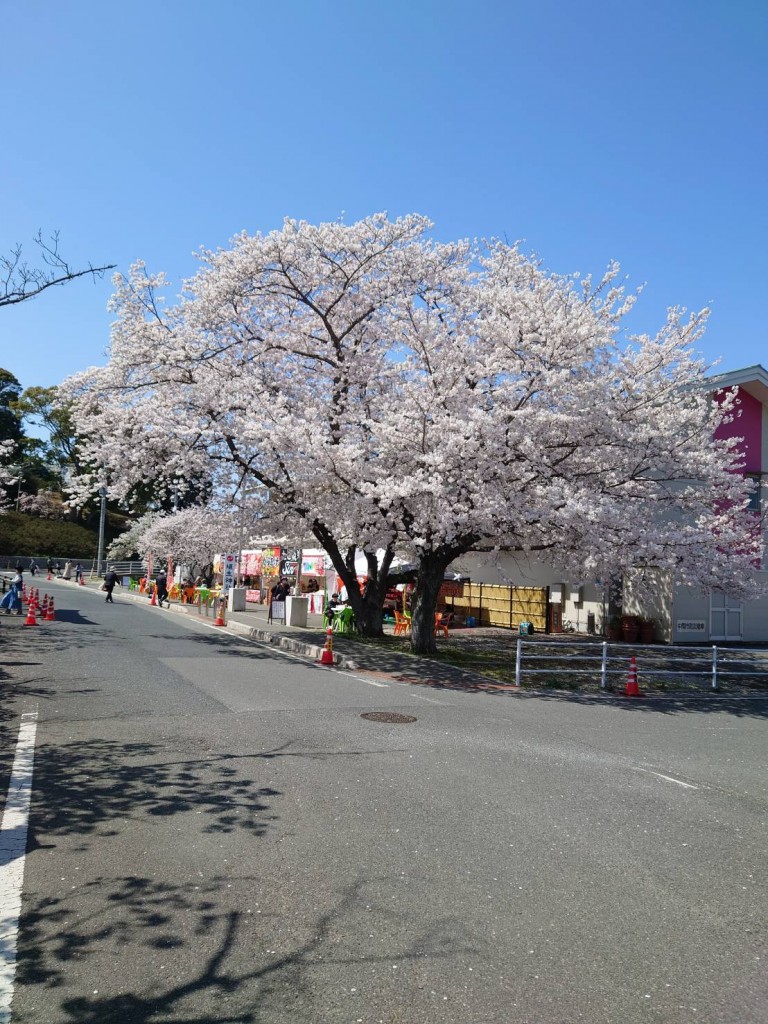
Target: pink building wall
<point x="748" y="425"/>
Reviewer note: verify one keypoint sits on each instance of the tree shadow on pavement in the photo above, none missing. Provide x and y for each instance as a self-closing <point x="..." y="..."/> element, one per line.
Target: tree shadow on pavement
<point x="81" y="787"/>
<point x="204" y="955"/>
<point x="670" y="704"/>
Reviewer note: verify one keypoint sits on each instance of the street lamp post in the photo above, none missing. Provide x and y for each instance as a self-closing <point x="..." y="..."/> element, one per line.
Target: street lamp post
<point x="20" y="470"/>
<point x="102" y="521"/>
<point x="243" y="496"/>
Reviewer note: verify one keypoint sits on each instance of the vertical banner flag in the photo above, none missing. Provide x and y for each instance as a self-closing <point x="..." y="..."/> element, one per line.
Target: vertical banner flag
<point x="228" y="581"/>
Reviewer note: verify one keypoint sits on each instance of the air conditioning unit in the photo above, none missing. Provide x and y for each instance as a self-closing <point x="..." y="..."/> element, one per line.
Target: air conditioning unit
<point x="577" y="593"/>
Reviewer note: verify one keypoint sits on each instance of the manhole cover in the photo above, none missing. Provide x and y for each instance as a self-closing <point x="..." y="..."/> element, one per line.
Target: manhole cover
<point x="391" y="717"/>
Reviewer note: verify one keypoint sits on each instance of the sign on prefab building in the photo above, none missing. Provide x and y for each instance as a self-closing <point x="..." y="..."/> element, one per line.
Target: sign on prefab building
<point x="228" y="569"/>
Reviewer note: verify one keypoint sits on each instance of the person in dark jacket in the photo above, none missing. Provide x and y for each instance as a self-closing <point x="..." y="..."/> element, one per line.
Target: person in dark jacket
<point x="161" y="582"/>
<point x="332" y="603"/>
<point x="281" y="590"/>
<point x="110" y="579"/>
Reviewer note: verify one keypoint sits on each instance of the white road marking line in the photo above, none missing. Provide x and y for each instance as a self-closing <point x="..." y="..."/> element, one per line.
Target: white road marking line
<point x="13" y="846"/>
<point x="668" y="778"/>
<point x="361" y="679"/>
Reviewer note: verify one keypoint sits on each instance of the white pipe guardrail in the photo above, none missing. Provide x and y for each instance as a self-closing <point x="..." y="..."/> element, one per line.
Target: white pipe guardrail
<point x="714" y="663"/>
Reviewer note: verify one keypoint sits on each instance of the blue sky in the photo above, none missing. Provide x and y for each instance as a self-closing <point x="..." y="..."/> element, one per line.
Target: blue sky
<point x="592" y="131"/>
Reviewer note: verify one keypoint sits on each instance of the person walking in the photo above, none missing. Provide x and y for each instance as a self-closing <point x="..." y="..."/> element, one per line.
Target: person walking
<point x="110" y="579"/>
<point x="68" y="570"/>
<point x="33" y="568"/>
<point x="161" y="582"/>
<point x="78" y="572"/>
<point x="12" y="600"/>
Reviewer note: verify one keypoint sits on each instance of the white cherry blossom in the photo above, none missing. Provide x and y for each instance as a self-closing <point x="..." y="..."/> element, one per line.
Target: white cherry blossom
<point x="393" y="393"/>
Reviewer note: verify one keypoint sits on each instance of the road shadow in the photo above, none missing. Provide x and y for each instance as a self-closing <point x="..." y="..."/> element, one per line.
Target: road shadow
<point x="225" y="963"/>
<point x="84" y="787"/>
<point x="669" y="704"/>
<point x="73" y="616"/>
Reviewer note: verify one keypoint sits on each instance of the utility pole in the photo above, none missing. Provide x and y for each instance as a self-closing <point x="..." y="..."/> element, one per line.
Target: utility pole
<point x="102" y="521"/>
<point x="243" y="499"/>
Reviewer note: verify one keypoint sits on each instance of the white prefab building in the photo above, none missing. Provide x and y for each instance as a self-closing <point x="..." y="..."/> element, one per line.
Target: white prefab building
<point x="681" y="614"/>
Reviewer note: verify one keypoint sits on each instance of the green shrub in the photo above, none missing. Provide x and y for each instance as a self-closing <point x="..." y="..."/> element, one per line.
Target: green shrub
<point x="45" y="538"/>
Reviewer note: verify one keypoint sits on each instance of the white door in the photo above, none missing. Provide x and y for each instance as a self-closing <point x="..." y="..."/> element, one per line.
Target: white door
<point x="724" y="617"/>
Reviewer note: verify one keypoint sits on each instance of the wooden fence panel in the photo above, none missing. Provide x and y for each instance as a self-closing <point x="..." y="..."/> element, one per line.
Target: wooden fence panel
<point x="493" y="604"/>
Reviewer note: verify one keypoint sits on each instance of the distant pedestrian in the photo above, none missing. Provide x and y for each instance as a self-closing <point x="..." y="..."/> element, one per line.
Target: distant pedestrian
<point x="110" y="579"/>
<point x="78" y="572"/>
<point x="67" y="574"/>
<point x="49" y="566"/>
<point x="161" y="582"/>
<point x="33" y="568"/>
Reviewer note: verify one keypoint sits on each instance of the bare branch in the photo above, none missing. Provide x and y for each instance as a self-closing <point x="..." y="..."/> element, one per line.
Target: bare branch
<point x="19" y="281"/>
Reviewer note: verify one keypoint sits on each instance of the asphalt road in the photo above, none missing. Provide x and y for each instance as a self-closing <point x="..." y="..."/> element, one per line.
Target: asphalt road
<point x="217" y="835"/>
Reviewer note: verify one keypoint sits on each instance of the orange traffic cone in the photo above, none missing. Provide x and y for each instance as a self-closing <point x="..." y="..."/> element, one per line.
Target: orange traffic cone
<point x="219" y="620"/>
<point x="154" y="595"/>
<point x="326" y="657"/>
<point x="50" y="615"/>
<point x="81" y="581"/>
<point x="49" y="577"/>
<point x="44" y="608"/>
<point x="632" y="690"/>
<point x="30" y="619"/>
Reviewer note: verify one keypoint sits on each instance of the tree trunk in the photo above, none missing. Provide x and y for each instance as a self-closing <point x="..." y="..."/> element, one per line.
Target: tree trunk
<point x="367" y="603"/>
<point x="431" y="574"/>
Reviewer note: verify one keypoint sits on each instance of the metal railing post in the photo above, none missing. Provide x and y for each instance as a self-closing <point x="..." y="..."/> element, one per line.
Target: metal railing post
<point x="518" y="661"/>
<point x="714" y="668"/>
<point x="604" y="666"/>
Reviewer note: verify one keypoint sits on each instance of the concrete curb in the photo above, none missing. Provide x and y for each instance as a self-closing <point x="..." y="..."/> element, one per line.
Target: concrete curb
<point x="287" y="643"/>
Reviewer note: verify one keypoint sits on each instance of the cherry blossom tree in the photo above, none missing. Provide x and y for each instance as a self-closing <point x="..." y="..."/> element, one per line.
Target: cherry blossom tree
<point x="127" y="543"/>
<point x="6" y="474"/>
<point x="192" y="536"/>
<point x="44" y="505"/>
<point x="396" y="394"/>
<point x="276" y="366"/>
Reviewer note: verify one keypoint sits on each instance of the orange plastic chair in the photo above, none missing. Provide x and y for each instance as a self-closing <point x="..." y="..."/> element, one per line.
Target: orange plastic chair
<point x="440" y="624"/>
<point x="402" y="624"/>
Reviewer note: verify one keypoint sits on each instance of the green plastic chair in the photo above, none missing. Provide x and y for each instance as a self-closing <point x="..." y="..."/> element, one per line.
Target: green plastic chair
<point x="346" y="621"/>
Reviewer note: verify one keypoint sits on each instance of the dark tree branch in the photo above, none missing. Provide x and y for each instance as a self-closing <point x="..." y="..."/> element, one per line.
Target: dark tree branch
<point x="19" y="281"/>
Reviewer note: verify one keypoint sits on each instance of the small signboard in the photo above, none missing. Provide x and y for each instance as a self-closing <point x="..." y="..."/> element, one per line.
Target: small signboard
<point x="270" y="562"/>
<point x="228" y="570"/>
<point x="451" y="588"/>
<point x="691" y="626"/>
<point x="289" y="564"/>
